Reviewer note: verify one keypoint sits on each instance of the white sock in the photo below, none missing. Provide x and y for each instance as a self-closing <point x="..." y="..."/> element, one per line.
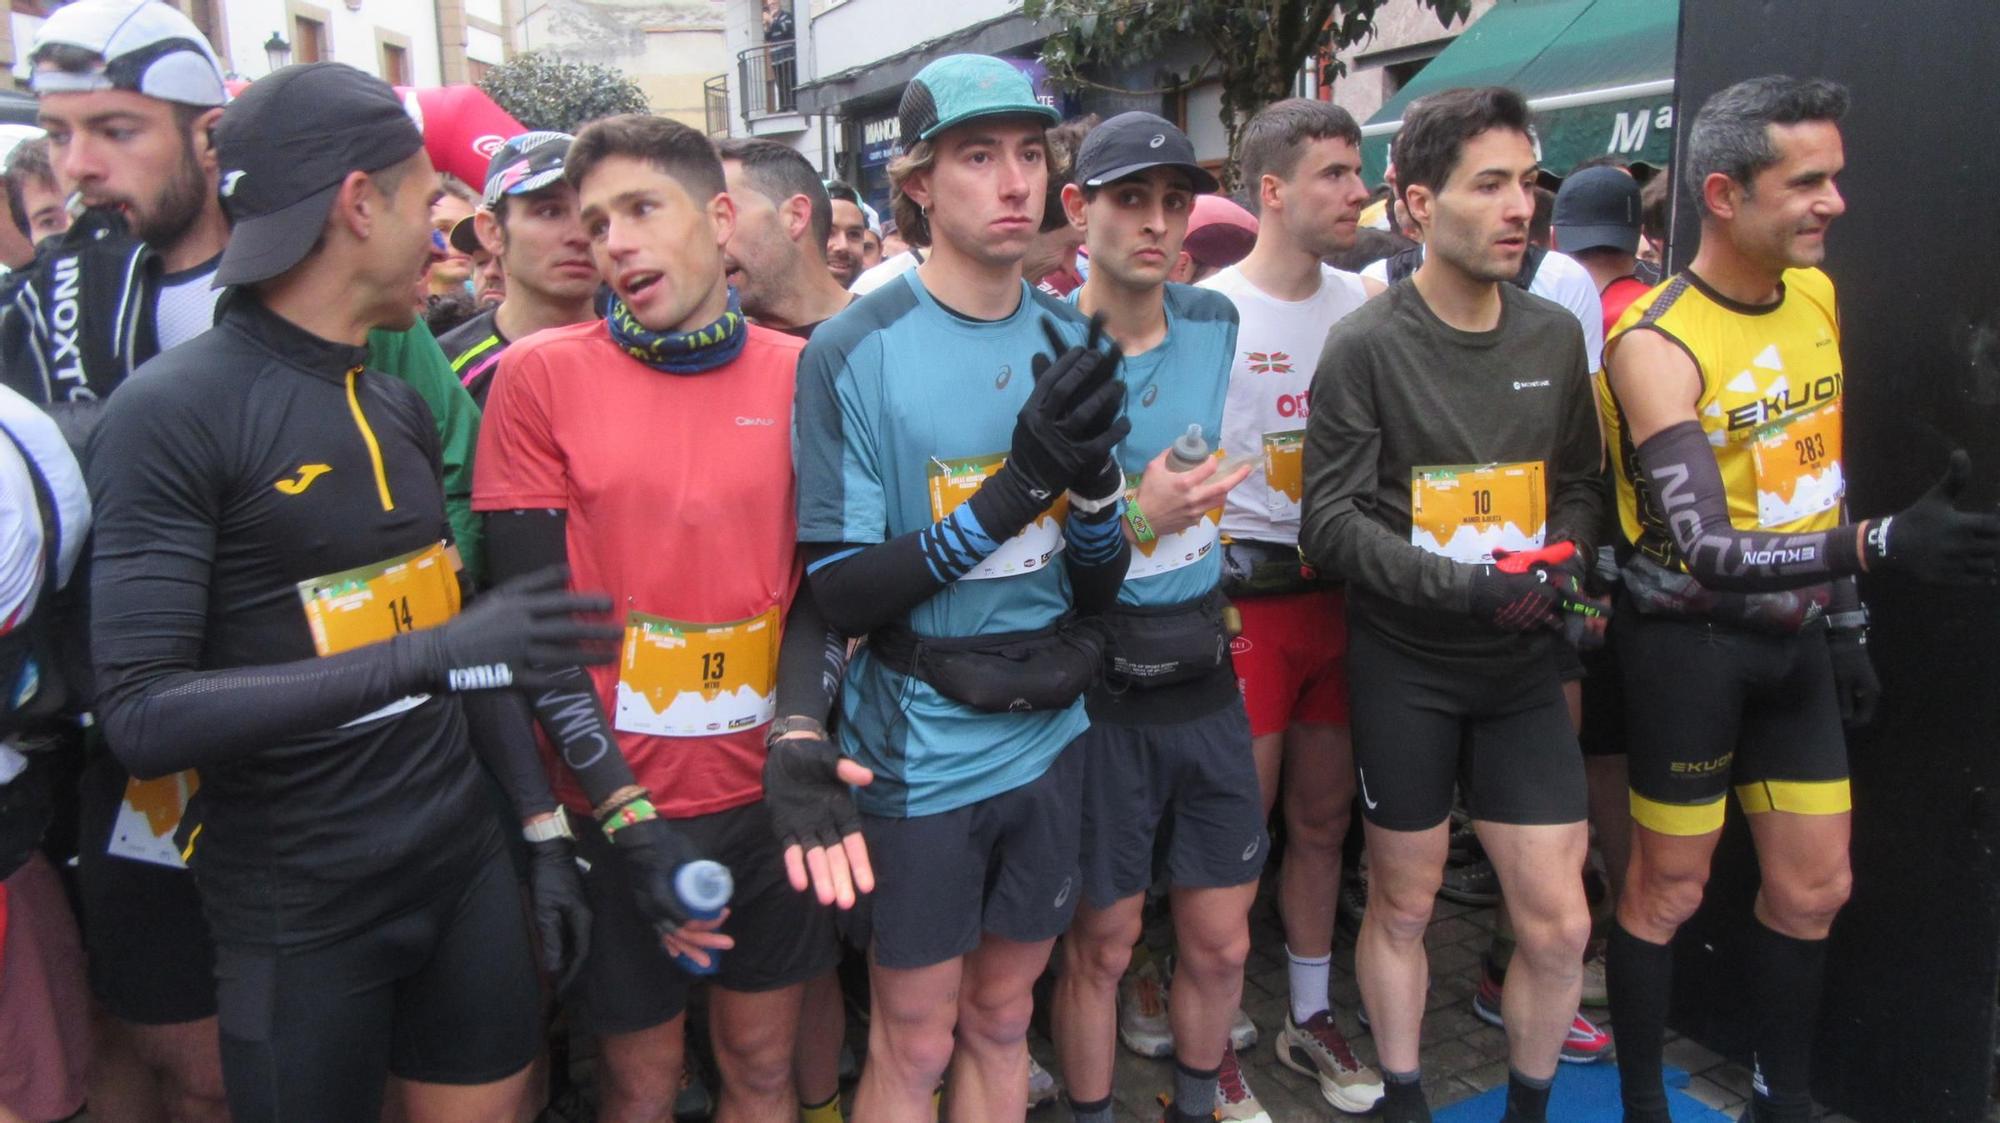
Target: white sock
<point x="1309" y="980"/>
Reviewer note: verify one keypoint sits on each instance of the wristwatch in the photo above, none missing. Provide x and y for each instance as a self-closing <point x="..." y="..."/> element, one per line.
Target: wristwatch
<point x="544" y="830"/>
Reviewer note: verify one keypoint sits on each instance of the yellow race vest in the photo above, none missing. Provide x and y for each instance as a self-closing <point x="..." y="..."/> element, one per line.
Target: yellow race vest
<point x="1770" y="404"/>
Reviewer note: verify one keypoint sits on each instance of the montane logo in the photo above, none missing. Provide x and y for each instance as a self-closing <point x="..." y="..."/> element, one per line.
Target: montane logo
<point x="1539" y="384"/>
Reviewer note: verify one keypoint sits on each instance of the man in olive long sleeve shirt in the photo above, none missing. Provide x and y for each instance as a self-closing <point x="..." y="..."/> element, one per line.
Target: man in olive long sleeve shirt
<point x="1452" y="424"/>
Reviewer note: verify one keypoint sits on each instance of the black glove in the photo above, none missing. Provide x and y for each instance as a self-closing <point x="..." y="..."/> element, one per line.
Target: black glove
<point x="810" y="806"/>
<point x="653" y="851"/>
<point x="562" y="912"/>
<point x="1853" y="675"/>
<point x="1516" y="602"/>
<point x="511" y="636"/>
<point x="1064" y="433"/>
<point x="1932" y="540"/>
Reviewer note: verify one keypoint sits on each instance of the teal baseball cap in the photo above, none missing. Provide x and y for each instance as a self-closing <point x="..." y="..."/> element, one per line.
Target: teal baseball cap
<point x="960" y="88"/>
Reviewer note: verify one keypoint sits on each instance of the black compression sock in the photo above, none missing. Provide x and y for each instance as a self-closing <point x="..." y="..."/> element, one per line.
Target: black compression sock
<point x="1527" y="1098"/>
<point x="1194" y="1090"/>
<point x="1403" y="1098"/>
<point x="1784" y="996"/>
<point x="1092" y="1111"/>
<point x="1640" y="979"/>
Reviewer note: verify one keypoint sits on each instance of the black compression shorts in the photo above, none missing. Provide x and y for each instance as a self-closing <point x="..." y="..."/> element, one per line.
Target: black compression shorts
<point x="442" y="994"/>
<point x="1500" y="732"/>
<point x="1710" y="706"/>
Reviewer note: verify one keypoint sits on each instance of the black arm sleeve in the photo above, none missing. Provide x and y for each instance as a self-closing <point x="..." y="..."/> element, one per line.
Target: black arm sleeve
<point x="522" y="542"/>
<point x="812" y="659"/>
<point x="1097" y="558"/>
<point x="503" y="734"/>
<point x="1680" y="466"/>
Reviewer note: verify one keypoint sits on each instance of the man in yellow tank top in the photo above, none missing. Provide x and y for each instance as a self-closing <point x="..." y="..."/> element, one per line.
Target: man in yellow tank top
<point x="1741" y="639"/>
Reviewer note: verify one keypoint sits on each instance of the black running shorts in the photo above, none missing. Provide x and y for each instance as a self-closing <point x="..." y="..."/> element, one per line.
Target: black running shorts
<point x="1006" y="865"/>
<point x="1499" y="731"/>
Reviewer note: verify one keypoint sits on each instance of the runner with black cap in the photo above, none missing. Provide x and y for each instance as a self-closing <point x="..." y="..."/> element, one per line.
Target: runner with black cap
<point x="936" y="440"/>
<point x="1169" y="740"/>
<point x="129" y="91"/>
<point x="527" y="219"/>
<point x="274" y="606"/>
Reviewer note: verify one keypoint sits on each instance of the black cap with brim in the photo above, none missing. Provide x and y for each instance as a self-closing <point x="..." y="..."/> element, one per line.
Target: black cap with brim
<point x="263" y="247"/>
<point x="1199" y="177"/>
<point x="285" y="147"/>
<point x="1570" y="239"/>
<point x="464" y="236"/>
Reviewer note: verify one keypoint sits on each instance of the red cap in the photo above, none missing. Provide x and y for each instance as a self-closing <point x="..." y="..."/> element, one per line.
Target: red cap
<point x="1220" y="232"/>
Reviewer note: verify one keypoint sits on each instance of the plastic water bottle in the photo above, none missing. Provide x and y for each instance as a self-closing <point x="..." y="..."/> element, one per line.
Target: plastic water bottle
<point x="1189" y="451"/>
<point x="704" y="888"/>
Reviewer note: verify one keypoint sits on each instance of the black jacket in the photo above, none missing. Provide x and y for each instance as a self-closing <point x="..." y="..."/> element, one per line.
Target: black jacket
<point x="79" y="319"/>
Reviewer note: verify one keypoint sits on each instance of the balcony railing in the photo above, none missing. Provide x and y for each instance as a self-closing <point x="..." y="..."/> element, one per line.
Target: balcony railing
<point x="715" y="101"/>
<point x="768" y="74"/>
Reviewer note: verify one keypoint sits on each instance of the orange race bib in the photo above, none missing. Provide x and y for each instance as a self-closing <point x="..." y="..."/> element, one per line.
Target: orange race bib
<point x="1285" y="468"/>
<point x="1798" y="466"/>
<point x="952" y="482"/>
<point x="1466" y="511"/>
<point x="679" y="679"/>
<point x="149" y="815"/>
<point x="372" y="603"/>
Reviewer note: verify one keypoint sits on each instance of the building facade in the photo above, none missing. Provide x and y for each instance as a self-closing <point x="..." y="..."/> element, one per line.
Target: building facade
<point x="669" y="48"/>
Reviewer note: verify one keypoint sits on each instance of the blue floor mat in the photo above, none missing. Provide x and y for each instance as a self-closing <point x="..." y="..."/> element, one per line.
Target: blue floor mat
<point x="1583" y="1094"/>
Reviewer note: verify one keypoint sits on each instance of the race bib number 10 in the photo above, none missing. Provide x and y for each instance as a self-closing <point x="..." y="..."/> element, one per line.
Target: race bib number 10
<point x="1466" y="511"/>
<point x="952" y="482"/>
<point x="679" y="679"/>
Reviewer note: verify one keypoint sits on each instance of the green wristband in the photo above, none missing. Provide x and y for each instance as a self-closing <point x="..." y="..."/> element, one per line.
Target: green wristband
<point x="1141" y="529"/>
<point x="637" y="811"/>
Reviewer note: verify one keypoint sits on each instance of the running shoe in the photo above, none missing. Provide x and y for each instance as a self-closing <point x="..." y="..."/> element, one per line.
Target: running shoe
<point x="1143" y="1026"/>
<point x="1041" y="1085"/>
<point x="1317" y="1049"/>
<point x="1142" y="1011"/>
<point x="1586" y="1044"/>
<point x="1234" y="1101"/>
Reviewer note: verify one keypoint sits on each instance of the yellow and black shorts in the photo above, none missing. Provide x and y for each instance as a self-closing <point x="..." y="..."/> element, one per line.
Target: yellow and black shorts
<point x="1709" y="706"/>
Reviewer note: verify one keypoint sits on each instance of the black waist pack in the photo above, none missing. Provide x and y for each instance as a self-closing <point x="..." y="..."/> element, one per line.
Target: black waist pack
<point x="1014" y="672"/>
<point x="1166" y="644"/>
<point x="1266" y="569"/>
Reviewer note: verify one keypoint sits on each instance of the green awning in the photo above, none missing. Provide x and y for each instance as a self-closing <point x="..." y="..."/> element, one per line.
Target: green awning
<point x="1598" y="73"/>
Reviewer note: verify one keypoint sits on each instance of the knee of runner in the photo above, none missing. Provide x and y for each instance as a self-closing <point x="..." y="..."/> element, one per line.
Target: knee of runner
<point x="1216" y="958"/>
<point x="996" y="1018"/>
<point x="1102" y="956"/>
<point x="1805" y="906"/>
<point x="1554" y="942"/>
<point x="1403" y="911"/>
<point x="760" y="1074"/>
<point x="651" y="1087"/>
<point x="1666" y="898"/>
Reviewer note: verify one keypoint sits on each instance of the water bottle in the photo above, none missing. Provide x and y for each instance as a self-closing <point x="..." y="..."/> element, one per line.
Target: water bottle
<point x="704" y="888"/>
<point x="1189" y="451"/>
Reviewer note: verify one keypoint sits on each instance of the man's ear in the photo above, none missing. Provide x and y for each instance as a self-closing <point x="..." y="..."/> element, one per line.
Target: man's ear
<point x="722" y="212"/>
<point x="1722" y="194"/>
<point x="201" y="137"/>
<point x="1420" y="203"/>
<point x="1073" y="207"/>
<point x="488" y="229"/>
<point x="797" y="215"/>
<point x="357" y="204"/>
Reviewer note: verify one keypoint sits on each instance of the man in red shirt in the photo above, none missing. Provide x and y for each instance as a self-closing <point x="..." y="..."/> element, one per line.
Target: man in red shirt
<point x="651" y="453"/>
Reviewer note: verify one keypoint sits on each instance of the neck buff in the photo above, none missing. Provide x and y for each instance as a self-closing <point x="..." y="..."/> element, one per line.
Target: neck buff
<point x="679" y="352"/>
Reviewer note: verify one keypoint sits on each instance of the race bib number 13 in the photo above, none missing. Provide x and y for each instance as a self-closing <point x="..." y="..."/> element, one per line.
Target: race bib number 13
<point x="1466" y="511"/>
<point x="952" y="482"/>
<point x="679" y="679"/>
